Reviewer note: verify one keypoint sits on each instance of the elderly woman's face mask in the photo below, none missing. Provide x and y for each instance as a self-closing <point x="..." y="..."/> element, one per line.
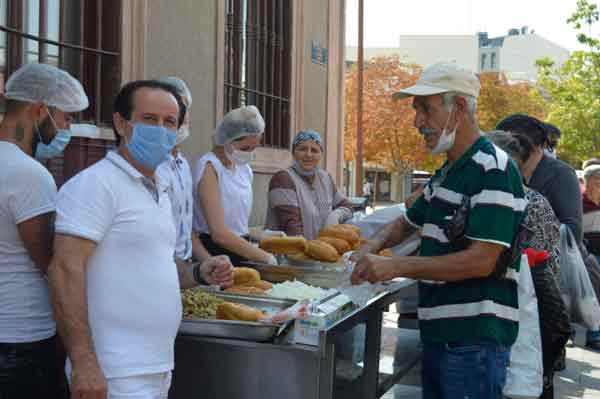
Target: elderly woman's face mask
<point x="308" y="155"/>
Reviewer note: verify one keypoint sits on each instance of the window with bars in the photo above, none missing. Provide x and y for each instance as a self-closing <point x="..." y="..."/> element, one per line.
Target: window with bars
<point x="258" y="57"/>
<point x="82" y="37"/>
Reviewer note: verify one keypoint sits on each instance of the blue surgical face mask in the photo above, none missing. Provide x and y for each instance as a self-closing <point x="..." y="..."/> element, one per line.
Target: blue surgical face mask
<point x="150" y="145"/>
<point x="56" y="146"/>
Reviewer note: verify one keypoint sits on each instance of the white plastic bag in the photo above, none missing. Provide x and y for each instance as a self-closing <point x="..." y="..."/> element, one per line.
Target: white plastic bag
<point x="359" y="294"/>
<point x="575" y="284"/>
<point x="295" y="311"/>
<point x="524" y="377"/>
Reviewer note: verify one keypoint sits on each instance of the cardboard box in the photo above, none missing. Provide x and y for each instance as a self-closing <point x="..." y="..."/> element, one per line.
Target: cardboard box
<point x="320" y="317"/>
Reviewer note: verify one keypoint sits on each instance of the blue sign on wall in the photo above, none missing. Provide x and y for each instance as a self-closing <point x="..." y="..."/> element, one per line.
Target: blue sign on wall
<point x="318" y="53"/>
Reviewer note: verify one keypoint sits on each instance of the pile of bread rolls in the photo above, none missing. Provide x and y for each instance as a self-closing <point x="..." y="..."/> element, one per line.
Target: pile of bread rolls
<point x="333" y="242"/>
<point x="247" y="281"/>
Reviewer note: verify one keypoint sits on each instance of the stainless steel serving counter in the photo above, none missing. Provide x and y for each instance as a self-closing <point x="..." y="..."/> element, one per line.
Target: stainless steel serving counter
<point x="211" y="368"/>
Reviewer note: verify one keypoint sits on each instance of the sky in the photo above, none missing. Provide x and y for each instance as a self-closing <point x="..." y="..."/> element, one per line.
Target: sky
<point x="385" y="20"/>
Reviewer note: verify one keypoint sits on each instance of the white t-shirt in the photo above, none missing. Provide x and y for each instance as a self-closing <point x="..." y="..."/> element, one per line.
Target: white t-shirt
<point x="176" y="173"/>
<point x="134" y="304"/>
<point x="27" y="190"/>
<point x="235" y="188"/>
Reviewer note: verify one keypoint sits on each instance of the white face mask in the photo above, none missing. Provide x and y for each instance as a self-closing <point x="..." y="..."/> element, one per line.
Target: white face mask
<point x="446" y="140"/>
<point x="182" y="133"/>
<point x="240" y="157"/>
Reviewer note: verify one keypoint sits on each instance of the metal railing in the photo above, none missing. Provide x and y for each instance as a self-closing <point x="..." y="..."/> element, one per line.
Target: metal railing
<point x="258" y="63"/>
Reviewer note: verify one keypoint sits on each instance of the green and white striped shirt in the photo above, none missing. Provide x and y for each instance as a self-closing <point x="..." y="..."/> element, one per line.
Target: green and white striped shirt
<point x="482" y="308"/>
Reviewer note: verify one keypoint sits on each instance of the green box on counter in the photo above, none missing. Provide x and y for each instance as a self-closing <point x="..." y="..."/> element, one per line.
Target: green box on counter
<point x="320" y="317"/>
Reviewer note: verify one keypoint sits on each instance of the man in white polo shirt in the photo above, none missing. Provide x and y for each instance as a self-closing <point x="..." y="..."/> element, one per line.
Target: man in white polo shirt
<point x="114" y="281"/>
<point x="38" y="102"/>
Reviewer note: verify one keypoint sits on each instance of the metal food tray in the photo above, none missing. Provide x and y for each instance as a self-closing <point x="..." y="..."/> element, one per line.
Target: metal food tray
<point x="244" y="330"/>
<point x="319" y="274"/>
<point x="310" y="263"/>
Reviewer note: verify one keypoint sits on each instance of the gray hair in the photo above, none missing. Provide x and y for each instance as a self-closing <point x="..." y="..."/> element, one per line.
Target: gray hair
<point x="448" y="99"/>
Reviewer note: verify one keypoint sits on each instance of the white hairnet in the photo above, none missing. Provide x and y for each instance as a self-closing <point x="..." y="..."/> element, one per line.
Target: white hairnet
<point x="46" y="84"/>
<point x="180" y="87"/>
<point x="238" y="123"/>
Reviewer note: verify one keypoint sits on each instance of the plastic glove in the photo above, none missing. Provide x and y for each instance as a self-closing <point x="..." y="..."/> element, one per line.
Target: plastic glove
<point x="217" y="270"/>
<point x="271" y="260"/>
<point x="273" y="233"/>
<point x="332" y="218"/>
<point x="257" y="234"/>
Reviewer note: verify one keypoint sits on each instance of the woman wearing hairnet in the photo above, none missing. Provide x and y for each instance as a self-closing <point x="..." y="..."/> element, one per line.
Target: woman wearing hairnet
<point x="223" y="188"/>
<point x="304" y="198"/>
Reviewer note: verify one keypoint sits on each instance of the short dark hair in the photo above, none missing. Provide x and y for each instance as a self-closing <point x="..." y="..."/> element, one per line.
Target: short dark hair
<point x="554" y="134"/>
<point x="525" y="125"/>
<point x="123" y="104"/>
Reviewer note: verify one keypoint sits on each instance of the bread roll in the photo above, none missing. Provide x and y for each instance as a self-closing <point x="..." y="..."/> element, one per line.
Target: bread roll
<point x="283" y="245"/>
<point x="244" y="290"/>
<point x="262" y="285"/>
<point x="237" y="311"/>
<point x="322" y="251"/>
<point x="343" y="233"/>
<point x="300" y="256"/>
<point x="352" y="227"/>
<point x="242" y="275"/>
<point x="342" y="246"/>
<point x="354" y="244"/>
<point x="386" y="252"/>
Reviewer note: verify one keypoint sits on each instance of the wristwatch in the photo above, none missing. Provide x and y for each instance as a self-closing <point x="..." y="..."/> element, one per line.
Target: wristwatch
<point x="198" y="275"/>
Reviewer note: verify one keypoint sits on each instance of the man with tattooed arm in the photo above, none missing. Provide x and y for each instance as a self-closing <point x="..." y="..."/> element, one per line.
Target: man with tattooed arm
<point x="38" y="101"/>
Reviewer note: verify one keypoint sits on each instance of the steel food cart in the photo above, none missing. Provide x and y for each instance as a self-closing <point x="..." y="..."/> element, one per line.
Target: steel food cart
<point x="209" y="367"/>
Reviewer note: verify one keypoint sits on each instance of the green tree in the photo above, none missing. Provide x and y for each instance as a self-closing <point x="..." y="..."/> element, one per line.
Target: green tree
<point x="573" y="91"/>
<point x="500" y="98"/>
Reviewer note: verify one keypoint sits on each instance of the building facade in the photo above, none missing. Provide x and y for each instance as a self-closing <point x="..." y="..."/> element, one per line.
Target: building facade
<point x="285" y="57"/>
<point x="514" y="54"/>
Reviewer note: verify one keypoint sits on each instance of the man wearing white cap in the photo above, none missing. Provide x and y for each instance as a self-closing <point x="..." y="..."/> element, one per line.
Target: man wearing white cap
<point x="38" y="102"/>
<point x="468" y="217"/>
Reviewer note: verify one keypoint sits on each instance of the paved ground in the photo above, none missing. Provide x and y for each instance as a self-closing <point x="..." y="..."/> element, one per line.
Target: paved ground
<point x="581" y="379"/>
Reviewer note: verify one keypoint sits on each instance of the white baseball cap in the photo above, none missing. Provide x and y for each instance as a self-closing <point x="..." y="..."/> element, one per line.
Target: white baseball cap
<point x="440" y="78"/>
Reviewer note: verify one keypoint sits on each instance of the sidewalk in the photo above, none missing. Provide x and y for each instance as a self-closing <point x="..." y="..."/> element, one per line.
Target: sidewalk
<point x="581" y="379"/>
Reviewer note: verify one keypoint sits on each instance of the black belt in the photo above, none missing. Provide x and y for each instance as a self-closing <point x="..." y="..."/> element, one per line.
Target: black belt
<point x="28" y="345"/>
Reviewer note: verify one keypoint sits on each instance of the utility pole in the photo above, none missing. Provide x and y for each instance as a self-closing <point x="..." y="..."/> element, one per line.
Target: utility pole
<point x="359" y="108"/>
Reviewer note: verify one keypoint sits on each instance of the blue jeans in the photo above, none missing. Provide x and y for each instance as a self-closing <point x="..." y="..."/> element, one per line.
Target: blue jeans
<point x="464" y="370"/>
<point x="592" y="336"/>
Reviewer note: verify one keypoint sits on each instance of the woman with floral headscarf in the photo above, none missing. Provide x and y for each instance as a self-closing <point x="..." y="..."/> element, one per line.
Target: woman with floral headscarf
<point x="304" y="198"/>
